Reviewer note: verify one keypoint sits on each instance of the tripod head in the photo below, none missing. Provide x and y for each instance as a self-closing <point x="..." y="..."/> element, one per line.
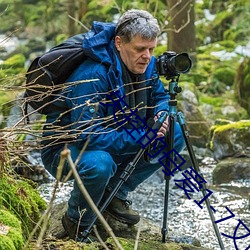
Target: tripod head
<point x="174" y="89"/>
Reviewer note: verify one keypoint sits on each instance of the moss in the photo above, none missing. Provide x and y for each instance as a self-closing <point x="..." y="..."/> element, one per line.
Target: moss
<point x="229" y="45"/>
<point x="128" y="244"/>
<point x="13" y="239"/>
<point x="16" y="61"/>
<point x="235" y="125"/>
<point x="9" y="219"/>
<point x="6" y="243"/>
<point x="16" y="237"/>
<point x="221" y="133"/>
<point x="21" y="199"/>
<point x="214" y="101"/>
<point x="225" y="75"/>
<point x="13" y="71"/>
<point x="219" y="103"/>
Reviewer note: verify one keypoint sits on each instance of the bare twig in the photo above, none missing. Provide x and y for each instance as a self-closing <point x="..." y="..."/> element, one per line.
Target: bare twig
<point x="67" y="155"/>
<point x="137" y="236"/>
<point x="99" y="238"/>
<point x="77" y="21"/>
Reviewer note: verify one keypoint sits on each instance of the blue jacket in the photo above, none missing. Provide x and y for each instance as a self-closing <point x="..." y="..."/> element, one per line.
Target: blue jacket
<point x="86" y="117"/>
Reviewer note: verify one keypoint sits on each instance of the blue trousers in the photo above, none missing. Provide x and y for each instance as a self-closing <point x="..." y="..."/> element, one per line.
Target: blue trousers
<point x="100" y="170"/>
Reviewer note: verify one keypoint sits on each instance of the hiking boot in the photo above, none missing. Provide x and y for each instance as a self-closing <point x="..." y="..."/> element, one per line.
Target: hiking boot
<point x="121" y="211"/>
<point x="75" y="231"/>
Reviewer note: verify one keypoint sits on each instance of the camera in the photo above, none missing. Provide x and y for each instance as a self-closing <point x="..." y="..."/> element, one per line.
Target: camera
<point x="171" y="65"/>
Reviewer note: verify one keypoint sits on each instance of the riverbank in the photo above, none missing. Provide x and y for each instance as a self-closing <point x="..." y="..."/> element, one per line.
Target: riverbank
<point x="186" y="220"/>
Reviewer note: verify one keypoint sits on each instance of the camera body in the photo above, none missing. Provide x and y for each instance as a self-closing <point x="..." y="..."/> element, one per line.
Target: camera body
<point x="171" y="65"/>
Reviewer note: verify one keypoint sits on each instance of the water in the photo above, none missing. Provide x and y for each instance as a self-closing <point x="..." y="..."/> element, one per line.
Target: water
<point x="185" y="218"/>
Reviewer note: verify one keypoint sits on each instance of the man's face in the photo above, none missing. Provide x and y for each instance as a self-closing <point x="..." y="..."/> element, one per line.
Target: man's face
<point x="137" y="53"/>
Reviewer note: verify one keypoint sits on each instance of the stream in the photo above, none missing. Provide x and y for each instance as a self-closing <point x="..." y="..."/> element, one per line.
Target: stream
<point x="186" y="220"/>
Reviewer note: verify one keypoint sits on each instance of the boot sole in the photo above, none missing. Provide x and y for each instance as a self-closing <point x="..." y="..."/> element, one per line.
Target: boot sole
<point x="121" y="219"/>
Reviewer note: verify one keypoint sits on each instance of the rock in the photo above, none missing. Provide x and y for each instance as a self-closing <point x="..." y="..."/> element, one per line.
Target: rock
<point x="231" y="139"/>
<point x="231" y="169"/>
<point x="188" y="95"/>
<point x="150" y="235"/>
<point x="197" y="125"/>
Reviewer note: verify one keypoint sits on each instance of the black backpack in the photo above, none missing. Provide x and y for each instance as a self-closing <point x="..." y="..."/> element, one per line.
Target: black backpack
<point x="47" y="74"/>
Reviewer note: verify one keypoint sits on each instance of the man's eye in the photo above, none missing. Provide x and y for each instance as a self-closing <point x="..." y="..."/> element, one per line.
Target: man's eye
<point x="139" y="50"/>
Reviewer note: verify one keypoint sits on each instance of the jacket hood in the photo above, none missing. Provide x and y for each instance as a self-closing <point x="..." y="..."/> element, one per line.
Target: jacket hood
<point x="98" y="43"/>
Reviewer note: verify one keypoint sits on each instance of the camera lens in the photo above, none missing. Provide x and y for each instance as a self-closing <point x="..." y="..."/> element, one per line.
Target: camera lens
<point x="182" y="63"/>
<point x="170" y="64"/>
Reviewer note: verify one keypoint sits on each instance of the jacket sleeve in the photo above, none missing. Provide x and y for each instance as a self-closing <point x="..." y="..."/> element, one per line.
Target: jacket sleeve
<point x="88" y="116"/>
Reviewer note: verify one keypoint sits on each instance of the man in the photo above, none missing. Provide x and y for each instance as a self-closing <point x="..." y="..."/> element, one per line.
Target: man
<point x="121" y="70"/>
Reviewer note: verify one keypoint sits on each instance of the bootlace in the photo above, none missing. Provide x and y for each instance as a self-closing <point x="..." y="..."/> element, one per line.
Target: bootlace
<point x="127" y="203"/>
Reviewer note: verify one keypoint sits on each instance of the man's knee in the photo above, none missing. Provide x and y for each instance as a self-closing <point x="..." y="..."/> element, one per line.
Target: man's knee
<point x="97" y="165"/>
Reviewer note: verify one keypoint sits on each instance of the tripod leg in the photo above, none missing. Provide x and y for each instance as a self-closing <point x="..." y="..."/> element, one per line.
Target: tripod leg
<point x="164" y="229"/>
<point x="196" y="167"/>
<point x="170" y="143"/>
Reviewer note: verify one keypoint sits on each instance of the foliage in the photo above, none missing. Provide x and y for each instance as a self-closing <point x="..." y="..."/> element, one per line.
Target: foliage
<point x="228" y="23"/>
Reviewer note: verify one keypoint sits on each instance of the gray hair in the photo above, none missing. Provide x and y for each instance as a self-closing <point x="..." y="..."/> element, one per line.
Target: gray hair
<point x="137" y="22"/>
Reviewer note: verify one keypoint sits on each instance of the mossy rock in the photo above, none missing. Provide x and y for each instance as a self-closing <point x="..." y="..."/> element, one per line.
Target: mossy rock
<point x="22" y="200"/>
<point x="231" y="169"/>
<point x="128" y="244"/>
<point x="219" y="107"/>
<point x="231" y="139"/>
<point x="10" y="231"/>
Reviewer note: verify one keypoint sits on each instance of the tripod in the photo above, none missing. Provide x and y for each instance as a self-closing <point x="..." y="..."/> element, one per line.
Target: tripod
<point x="128" y="170"/>
<point x="173" y="90"/>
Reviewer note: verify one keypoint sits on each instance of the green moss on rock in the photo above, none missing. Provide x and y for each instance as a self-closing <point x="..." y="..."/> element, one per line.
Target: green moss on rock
<point x="22" y="200"/>
<point x="128" y="244"/>
<point x="11" y="238"/>
<point x="6" y="243"/>
<point x="229" y="139"/>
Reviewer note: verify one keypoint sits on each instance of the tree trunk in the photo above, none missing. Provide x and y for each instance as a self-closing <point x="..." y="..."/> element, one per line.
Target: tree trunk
<point x="71" y="6"/>
<point x="181" y="27"/>
<point x="83" y="7"/>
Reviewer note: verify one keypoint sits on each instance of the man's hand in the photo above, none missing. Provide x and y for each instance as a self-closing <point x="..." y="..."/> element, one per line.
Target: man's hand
<point x="164" y="128"/>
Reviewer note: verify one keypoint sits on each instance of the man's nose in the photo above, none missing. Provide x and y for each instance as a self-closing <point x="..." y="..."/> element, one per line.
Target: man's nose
<point x="146" y="54"/>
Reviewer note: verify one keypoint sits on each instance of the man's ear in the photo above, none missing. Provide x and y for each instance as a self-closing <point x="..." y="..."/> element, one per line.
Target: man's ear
<point x="118" y="42"/>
